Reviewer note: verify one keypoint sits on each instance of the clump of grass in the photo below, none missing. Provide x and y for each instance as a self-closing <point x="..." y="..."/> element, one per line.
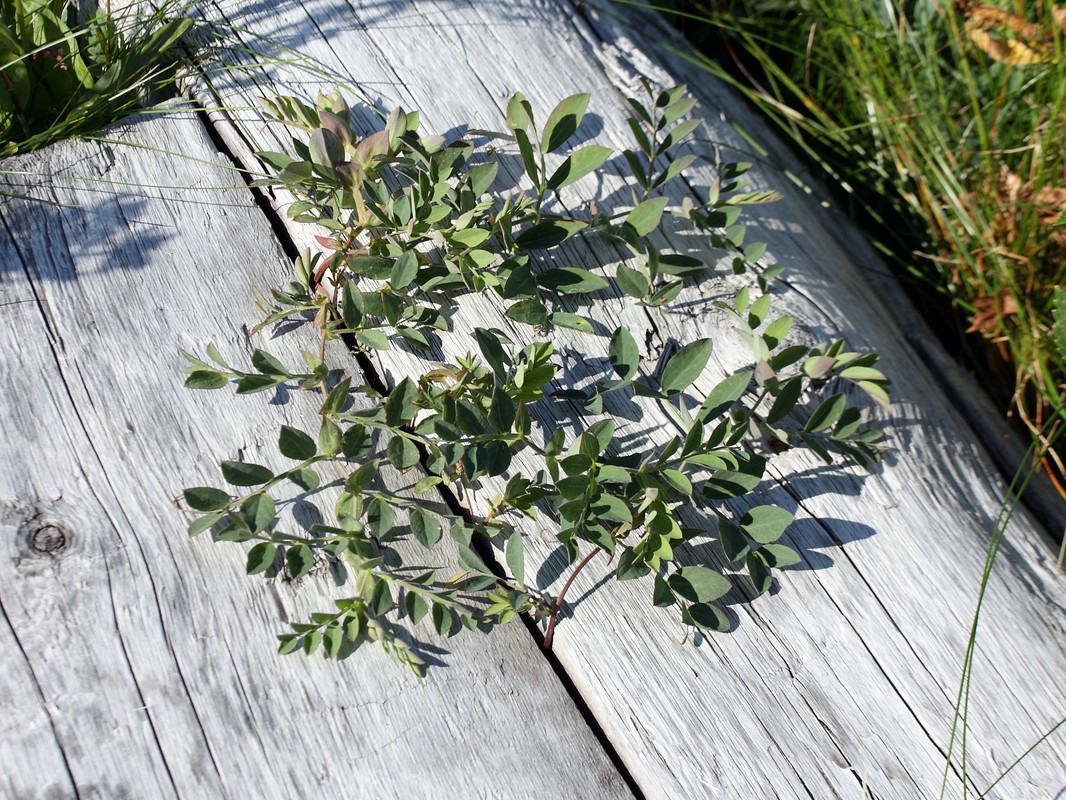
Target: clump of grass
<point x="946" y="122"/>
<point x="66" y="72"/>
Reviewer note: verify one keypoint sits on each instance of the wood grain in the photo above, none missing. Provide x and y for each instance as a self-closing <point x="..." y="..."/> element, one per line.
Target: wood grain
<point x="139" y="662"/>
<point x="846" y="677"/>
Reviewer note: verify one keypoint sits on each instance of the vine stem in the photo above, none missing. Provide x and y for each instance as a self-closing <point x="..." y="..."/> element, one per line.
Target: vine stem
<point x="554" y="618"/>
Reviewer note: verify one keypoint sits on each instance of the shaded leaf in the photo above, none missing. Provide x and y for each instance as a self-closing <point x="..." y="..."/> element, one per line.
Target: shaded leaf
<point x="685" y="366"/>
<point x="299" y="559"/>
<point x="699" y="584"/>
<point x="708" y="616"/>
<point x="549" y="233"/>
<point x="206" y="498"/>
<point x="296" y="444"/>
<point x="563" y="122"/>
<point x="240" y="473"/>
<point x="579" y="164"/>
<point x="571" y="280"/>
<point x="261" y="557"/>
<point x="827" y="413"/>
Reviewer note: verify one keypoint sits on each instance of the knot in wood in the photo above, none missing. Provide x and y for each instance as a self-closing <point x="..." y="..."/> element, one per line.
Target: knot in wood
<point x="48" y="539"/>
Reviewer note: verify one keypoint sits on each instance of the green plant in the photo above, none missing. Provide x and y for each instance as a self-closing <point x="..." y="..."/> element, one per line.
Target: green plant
<point x="61" y="76"/>
<point x="410" y="223"/>
<point x="943" y="121"/>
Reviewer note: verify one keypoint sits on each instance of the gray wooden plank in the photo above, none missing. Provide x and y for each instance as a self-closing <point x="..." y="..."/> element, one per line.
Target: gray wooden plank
<point x="848" y="673"/>
<point x="141" y="663"/>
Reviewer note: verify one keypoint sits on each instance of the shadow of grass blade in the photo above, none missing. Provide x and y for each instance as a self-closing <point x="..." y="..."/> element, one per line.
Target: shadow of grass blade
<point x="64" y="74"/>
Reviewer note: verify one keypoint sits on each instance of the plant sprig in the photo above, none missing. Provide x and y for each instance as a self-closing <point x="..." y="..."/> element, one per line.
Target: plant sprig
<point x="410" y="223"/>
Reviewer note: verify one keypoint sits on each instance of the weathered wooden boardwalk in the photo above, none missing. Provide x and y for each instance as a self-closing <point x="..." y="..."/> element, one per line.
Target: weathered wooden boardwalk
<point x="139" y="663"/>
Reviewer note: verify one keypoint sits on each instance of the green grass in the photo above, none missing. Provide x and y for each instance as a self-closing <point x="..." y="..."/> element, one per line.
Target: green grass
<point x="63" y="74"/>
<point x="947" y="126"/>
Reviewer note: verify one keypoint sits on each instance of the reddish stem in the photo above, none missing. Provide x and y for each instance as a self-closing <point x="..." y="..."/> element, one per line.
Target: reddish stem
<point x="550" y="632"/>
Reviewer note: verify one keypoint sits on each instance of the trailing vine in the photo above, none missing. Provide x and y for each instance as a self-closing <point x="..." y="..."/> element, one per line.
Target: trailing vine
<point x="408" y="224"/>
